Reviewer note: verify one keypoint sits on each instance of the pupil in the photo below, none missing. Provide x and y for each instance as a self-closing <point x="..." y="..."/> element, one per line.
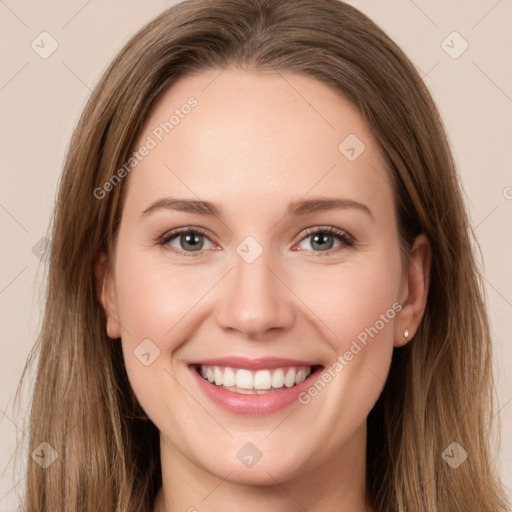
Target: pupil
<point x="191" y="239"/>
<point x="321" y="240"/>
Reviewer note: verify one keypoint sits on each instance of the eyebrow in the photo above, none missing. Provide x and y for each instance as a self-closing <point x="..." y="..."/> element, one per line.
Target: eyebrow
<point x="296" y="208"/>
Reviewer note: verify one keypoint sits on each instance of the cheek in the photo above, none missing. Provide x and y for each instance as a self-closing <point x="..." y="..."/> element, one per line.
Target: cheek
<point x="360" y="305"/>
<point x="156" y="309"/>
<point x="155" y="306"/>
<point x="354" y="298"/>
<point x="370" y="305"/>
<point x="357" y="303"/>
<point x="154" y="301"/>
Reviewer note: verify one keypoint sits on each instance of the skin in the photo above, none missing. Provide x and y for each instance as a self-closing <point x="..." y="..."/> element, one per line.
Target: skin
<point x="252" y="145"/>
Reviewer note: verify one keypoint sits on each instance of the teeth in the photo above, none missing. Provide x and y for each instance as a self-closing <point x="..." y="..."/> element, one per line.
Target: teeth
<point x="278" y="378"/>
<point x="229" y="378"/>
<point x="300" y="376"/>
<point x="259" y="382"/>
<point x="263" y="380"/>
<point x="244" y="379"/>
<point x="217" y="374"/>
<point x="289" y="380"/>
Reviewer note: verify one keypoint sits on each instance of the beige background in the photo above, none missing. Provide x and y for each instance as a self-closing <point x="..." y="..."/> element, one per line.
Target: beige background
<point x="40" y="101"/>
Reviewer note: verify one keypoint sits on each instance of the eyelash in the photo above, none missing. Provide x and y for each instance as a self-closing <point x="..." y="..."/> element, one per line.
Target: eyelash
<point x="345" y="239"/>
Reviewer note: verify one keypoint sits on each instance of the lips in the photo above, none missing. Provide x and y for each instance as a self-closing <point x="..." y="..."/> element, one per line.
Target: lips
<point x="253" y="386"/>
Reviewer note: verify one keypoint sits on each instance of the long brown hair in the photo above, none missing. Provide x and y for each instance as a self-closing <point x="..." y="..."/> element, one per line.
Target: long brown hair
<point x="439" y="389"/>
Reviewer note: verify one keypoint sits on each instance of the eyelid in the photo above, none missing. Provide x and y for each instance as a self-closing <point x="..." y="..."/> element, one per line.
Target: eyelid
<point x="185" y="229"/>
<point x="164" y="239"/>
<point x="345" y="238"/>
<point x="323" y="229"/>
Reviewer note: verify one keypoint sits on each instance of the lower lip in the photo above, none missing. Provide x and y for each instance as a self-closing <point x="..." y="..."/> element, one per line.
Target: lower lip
<point x="256" y="405"/>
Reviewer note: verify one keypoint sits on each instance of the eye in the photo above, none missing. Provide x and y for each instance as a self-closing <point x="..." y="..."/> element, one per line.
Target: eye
<point x="325" y="239"/>
<point x="190" y="241"/>
<point x="186" y="241"/>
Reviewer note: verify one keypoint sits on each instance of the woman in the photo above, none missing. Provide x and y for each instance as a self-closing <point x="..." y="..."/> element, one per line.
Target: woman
<point x="261" y="291"/>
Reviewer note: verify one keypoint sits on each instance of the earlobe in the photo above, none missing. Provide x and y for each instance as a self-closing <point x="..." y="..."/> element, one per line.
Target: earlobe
<point x="415" y="286"/>
<point x="105" y="293"/>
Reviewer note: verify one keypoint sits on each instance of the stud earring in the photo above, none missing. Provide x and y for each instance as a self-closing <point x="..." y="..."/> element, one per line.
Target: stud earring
<point x="406" y="333"/>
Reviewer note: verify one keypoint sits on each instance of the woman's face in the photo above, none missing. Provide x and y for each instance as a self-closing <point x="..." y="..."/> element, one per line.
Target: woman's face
<point x="258" y="246"/>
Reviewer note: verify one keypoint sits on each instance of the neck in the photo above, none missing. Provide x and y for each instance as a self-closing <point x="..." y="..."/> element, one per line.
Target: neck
<point x="337" y="485"/>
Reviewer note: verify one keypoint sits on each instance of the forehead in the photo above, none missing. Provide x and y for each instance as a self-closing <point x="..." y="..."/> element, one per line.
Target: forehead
<point x="235" y="136"/>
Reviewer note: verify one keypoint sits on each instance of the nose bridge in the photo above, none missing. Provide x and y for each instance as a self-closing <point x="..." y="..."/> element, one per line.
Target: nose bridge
<point x="254" y="300"/>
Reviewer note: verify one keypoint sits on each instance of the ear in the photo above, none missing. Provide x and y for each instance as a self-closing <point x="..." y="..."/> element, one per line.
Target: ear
<point x="414" y="291"/>
<point x="105" y="291"/>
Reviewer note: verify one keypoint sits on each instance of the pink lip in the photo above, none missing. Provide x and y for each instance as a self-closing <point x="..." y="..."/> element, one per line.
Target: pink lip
<point x="256" y="405"/>
<point x="262" y="363"/>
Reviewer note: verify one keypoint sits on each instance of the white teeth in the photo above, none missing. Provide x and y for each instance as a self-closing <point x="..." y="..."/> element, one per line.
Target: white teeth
<point x="244" y="379"/>
<point x="278" y="378"/>
<point x="229" y="378"/>
<point x="217" y="375"/>
<point x="289" y="380"/>
<point x="258" y="382"/>
<point x="299" y="377"/>
<point x="262" y="380"/>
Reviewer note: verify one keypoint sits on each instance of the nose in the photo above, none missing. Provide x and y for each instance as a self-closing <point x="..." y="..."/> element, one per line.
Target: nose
<point x="255" y="299"/>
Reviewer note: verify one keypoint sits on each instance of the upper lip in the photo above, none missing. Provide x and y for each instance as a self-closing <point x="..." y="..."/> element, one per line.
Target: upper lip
<point x="259" y="363"/>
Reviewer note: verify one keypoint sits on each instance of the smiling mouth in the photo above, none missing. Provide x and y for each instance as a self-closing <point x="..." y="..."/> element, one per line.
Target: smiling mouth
<point x="259" y="382"/>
